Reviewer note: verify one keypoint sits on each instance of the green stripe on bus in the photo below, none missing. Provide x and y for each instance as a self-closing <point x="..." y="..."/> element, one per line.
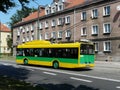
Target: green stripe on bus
<point x="49" y="59"/>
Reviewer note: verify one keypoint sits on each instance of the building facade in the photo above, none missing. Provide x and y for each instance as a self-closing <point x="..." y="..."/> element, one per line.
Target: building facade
<point x="5" y="33"/>
<point x="73" y="21"/>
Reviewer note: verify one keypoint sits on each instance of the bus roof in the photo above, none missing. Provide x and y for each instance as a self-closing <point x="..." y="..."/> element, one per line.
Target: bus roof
<point x="47" y="44"/>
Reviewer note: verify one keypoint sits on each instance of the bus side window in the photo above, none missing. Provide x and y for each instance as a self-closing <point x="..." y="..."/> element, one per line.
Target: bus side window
<point x="36" y="52"/>
<point x="40" y="52"/>
<point x="26" y="52"/>
<point x="31" y="52"/>
<point x="19" y="52"/>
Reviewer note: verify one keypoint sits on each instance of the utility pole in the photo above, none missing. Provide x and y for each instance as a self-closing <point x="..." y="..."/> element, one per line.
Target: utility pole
<point x="37" y="31"/>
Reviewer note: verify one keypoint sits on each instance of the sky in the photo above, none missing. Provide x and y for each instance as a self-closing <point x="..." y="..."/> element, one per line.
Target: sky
<point x="5" y="17"/>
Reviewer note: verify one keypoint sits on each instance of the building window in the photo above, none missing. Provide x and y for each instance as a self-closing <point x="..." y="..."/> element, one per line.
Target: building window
<point x="53" y="23"/>
<point x="60" y="21"/>
<point x="46" y="35"/>
<point x="106" y="28"/>
<point x="83" y="31"/>
<point x="94" y="13"/>
<point x="107" y="46"/>
<point x="18" y="32"/>
<point x="32" y="27"/>
<point x="95" y="30"/>
<point x="106" y="11"/>
<point x="96" y="46"/>
<point x="67" y="19"/>
<point x="46" y="24"/>
<point x="83" y="16"/>
<point x="59" y="34"/>
<point x="41" y="25"/>
<point x="27" y="39"/>
<point x="53" y="35"/>
<point x="23" y="39"/>
<point x="60" y="7"/>
<point x="32" y="37"/>
<point x="68" y="34"/>
<point x="41" y="37"/>
<point x="53" y="8"/>
<point x="27" y="28"/>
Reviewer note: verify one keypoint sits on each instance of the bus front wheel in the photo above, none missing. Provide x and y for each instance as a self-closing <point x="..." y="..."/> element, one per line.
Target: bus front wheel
<point x="25" y="61"/>
<point x="55" y="65"/>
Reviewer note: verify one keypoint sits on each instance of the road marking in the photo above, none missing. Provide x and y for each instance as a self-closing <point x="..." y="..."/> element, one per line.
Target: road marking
<point x="118" y="87"/>
<point x="80" y="79"/>
<point x="50" y="73"/>
<point x="6" y="64"/>
<point x="75" y="74"/>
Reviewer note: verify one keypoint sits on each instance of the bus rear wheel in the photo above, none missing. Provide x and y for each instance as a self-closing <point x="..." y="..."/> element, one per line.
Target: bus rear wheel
<point x="25" y="61"/>
<point x="55" y="65"/>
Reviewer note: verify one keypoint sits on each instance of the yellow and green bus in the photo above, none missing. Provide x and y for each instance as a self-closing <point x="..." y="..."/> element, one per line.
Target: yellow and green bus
<point x="66" y="55"/>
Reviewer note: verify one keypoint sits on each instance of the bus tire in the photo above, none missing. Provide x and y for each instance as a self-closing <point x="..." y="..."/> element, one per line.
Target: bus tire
<point x="55" y="65"/>
<point x="25" y="61"/>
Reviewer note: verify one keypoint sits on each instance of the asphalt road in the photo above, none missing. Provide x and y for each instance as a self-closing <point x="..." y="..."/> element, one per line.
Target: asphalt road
<point x="98" y="78"/>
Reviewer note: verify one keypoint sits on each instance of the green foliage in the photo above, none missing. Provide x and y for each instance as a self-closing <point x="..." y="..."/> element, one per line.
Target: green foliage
<point x="24" y="12"/>
<point x="7" y="4"/>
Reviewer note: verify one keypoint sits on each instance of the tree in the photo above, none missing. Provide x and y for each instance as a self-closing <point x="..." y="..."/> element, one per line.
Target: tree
<point x="24" y="12"/>
<point x="9" y="43"/>
<point x="7" y="4"/>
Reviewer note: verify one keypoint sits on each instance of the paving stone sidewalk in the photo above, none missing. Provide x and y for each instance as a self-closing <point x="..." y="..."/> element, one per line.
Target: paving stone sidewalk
<point x="108" y="64"/>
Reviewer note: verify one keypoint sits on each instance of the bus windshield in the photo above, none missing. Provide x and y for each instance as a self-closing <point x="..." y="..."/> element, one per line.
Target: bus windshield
<point x="86" y="49"/>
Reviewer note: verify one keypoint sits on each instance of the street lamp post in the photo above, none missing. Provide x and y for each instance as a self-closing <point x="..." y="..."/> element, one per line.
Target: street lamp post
<point x="37" y="31"/>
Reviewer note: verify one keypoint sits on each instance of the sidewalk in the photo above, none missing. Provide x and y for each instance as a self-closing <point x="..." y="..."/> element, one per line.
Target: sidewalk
<point x="108" y="64"/>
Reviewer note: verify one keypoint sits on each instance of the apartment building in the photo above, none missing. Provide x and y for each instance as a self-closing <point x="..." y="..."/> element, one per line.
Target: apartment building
<point x="73" y="21"/>
<point x="5" y="33"/>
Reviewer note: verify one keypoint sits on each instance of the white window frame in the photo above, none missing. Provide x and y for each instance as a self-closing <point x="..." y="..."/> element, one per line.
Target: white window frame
<point x="60" y="34"/>
<point x="46" y="24"/>
<point x="83" y="33"/>
<point x="96" y="46"/>
<point x="53" y="7"/>
<point x="95" y="29"/>
<point x="41" y="25"/>
<point x="32" y="37"/>
<point x="94" y="13"/>
<point x="46" y="35"/>
<point x="53" y="35"/>
<point x="53" y="23"/>
<point x="27" y="28"/>
<point x="60" y="20"/>
<point x="106" y="29"/>
<point x="23" y="40"/>
<point x="60" y="6"/>
<point x="106" y="11"/>
<point x="107" y="46"/>
<point x="32" y="27"/>
<point x="68" y="33"/>
<point x="41" y="36"/>
<point x="83" y="15"/>
<point x="27" y="39"/>
<point x="67" y="19"/>
<point x="18" y="32"/>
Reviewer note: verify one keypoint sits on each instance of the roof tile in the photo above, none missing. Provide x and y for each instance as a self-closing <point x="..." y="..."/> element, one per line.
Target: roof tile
<point x="4" y="28"/>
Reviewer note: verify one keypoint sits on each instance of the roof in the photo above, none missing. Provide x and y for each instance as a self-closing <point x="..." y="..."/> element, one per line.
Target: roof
<point x="68" y="4"/>
<point x="4" y="28"/>
<point x="72" y="3"/>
